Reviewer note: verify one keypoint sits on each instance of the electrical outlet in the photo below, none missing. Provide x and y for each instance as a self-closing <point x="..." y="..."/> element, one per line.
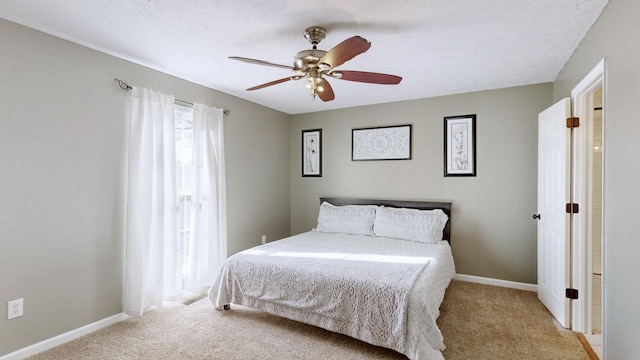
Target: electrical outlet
<point x="264" y="239"/>
<point x="14" y="308"/>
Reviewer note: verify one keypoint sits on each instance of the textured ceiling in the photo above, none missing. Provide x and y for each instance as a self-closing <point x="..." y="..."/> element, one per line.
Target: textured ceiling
<point x="439" y="47"/>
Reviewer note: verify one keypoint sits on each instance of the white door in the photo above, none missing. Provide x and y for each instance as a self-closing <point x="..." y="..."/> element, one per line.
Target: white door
<point x="554" y="236"/>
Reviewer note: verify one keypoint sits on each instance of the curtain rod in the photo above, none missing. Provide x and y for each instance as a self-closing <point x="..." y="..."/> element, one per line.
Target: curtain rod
<point x="126" y="87"/>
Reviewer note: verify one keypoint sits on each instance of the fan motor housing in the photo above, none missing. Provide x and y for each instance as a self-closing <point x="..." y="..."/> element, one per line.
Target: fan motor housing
<point x="307" y="59"/>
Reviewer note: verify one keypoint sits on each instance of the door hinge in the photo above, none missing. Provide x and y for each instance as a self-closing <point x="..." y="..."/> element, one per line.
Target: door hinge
<point x="572" y="208"/>
<point x="573" y="122"/>
<point x="572" y="294"/>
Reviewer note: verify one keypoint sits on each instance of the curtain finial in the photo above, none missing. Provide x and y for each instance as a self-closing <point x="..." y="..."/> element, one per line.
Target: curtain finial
<point x="123" y="85"/>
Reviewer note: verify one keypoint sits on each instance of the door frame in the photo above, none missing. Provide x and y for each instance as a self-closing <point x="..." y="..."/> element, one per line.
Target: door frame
<point x="581" y="242"/>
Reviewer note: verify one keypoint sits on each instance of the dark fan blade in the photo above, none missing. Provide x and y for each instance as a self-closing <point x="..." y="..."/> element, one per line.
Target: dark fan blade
<point x="275" y="82"/>
<point x="260" y="62"/>
<point x="327" y="92"/>
<point x="345" y="51"/>
<point x="367" y="77"/>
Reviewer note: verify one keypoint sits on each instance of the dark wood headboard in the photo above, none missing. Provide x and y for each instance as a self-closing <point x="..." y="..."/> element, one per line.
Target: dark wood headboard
<point x="411" y="204"/>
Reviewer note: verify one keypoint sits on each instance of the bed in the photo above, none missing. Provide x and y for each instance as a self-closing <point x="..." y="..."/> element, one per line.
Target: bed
<point x="375" y="270"/>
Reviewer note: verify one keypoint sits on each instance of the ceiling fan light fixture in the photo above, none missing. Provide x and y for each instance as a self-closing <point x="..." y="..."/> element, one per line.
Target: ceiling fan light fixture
<point x="313" y="64"/>
<point x="313" y="83"/>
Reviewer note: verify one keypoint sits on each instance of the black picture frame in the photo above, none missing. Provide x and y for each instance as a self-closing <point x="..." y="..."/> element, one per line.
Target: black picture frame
<point x="312" y="153"/>
<point x="381" y="143"/>
<point x="460" y="145"/>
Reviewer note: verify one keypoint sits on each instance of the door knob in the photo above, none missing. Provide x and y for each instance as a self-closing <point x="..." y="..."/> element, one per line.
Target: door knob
<point x="536" y="216"/>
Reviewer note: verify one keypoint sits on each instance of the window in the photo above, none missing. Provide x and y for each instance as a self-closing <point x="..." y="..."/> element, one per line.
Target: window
<point x="185" y="183"/>
<point x="200" y="239"/>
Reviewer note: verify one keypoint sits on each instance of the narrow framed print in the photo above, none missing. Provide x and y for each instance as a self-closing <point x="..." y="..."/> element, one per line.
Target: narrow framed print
<point x="312" y="152"/>
<point x="381" y="143"/>
<point x="460" y="145"/>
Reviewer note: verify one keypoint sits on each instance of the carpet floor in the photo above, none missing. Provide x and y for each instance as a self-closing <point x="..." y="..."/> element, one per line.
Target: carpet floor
<point x="477" y="321"/>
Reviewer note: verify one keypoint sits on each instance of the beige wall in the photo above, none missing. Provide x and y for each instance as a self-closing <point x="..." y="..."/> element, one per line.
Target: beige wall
<point x="493" y="234"/>
<point x="63" y="141"/>
<point x="615" y="37"/>
<point x="63" y="157"/>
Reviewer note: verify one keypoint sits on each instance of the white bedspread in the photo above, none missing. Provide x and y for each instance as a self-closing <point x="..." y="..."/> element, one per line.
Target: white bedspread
<point x="383" y="291"/>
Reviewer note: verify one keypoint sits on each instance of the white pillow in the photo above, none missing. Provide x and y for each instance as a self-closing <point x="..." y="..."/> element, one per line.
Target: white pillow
<point x="410" y="224"/>
<point x="349" y="219"/>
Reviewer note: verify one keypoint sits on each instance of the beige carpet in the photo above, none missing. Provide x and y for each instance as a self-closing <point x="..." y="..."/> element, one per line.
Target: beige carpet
<point x="477" y="321"/>
<point x="488" y="322"/>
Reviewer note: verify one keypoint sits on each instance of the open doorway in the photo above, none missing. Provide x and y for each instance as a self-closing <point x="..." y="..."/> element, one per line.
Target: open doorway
<point x="596" y="218"/>
<point x="588" y="241"/>
<point x="594" y="318"/>
<point x="571" y="208"/>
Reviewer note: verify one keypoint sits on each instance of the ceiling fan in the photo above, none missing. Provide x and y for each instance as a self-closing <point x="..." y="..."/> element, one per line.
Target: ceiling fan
<point x="315" y="65"/>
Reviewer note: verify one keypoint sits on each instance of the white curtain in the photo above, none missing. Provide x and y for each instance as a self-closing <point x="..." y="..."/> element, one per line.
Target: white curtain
<point x="207" y="249"/>
<point x="150" y="275"/>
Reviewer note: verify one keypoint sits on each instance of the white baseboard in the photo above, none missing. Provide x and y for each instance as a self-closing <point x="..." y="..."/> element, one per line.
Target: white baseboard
<point x="63" y="338"/>
<point x="495" y="282"/>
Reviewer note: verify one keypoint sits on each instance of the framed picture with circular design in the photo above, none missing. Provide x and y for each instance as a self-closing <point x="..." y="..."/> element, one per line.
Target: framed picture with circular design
<point x="381" y="143"/>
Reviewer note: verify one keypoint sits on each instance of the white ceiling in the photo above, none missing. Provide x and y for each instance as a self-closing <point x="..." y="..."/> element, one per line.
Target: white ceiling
<point x="439" y="47"/>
